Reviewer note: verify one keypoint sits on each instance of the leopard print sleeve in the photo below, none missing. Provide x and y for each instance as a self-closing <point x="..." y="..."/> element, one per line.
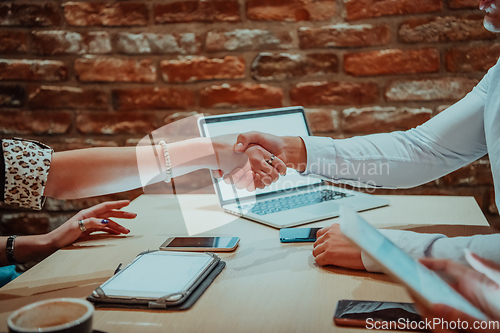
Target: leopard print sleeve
<point x="27" y="166"/>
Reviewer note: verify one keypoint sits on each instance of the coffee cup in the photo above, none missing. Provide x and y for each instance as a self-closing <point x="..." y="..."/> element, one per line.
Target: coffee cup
<point x="61" y="315"/>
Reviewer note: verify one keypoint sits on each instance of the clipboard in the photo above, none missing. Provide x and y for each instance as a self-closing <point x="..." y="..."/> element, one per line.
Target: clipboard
<point x="160" y="280"/>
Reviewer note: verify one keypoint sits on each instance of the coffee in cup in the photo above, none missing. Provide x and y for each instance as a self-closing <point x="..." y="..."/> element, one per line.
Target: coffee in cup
<point x="61" y="315"/>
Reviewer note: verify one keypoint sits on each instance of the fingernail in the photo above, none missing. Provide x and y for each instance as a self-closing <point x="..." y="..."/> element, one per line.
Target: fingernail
<point x="239" y="146"/>
<point x="249" y="176"/>
<point x="104" y="221"/>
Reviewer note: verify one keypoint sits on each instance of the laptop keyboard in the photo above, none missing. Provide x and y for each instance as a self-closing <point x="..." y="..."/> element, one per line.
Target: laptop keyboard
<point x="295" y="201"/>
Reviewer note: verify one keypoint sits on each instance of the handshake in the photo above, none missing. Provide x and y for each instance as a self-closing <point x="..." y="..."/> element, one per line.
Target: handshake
<point x="255" y="160"/>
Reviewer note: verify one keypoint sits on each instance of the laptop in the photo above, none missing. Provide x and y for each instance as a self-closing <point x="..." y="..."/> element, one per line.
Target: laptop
<point x="292" y="200"/>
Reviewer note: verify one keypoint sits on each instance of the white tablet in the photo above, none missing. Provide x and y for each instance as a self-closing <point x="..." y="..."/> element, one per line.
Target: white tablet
<point x="426" y="284"/>
<point x="158" y="275"/>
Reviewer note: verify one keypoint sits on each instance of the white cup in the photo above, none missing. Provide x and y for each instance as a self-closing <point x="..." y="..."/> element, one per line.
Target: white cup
<point x="61" y="315"/>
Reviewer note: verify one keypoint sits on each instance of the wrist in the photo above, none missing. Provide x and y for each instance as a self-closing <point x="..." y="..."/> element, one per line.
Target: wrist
<point x="49" y="241"/>
<point x="295" y="152"/>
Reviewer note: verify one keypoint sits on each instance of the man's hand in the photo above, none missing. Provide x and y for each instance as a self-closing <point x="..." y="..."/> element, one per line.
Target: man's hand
<point x="333" y="248"/>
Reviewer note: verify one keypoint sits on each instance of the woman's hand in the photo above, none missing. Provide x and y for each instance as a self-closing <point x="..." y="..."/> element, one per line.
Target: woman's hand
<point x="333" y="248"/>
<point x="95" y="218"/>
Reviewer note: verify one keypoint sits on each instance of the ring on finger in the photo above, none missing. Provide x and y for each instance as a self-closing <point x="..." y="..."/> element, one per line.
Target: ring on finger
<point x="82" y="227"/>
<point x="270" y="160"/>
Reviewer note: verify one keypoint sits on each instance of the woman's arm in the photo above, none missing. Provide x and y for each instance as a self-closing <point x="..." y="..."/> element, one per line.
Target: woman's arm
<point x="98" y="171"/>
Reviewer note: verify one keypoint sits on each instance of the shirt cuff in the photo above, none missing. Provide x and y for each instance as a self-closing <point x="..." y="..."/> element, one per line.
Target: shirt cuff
<point x="27" y="165"/>
<point x="316" y="147"/>
<point x="415" y="244"/>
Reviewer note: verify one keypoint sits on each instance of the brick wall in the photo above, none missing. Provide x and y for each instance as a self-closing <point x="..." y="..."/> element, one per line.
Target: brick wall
<point x="80" y="74"/>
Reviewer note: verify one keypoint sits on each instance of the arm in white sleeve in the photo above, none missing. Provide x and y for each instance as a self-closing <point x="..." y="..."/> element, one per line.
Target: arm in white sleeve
<point x="486" y="246"/>
<point x="415" y="244"/>
<point x="438" y="246"/>
<point x="443" y="144"/>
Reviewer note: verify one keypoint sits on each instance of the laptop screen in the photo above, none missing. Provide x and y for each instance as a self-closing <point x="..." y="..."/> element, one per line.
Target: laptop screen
<point x="280" y="122"/>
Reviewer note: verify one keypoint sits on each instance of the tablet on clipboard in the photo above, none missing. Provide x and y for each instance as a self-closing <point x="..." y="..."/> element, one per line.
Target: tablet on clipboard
<point x="425" y="284"/>
<point x="158" y="279"/>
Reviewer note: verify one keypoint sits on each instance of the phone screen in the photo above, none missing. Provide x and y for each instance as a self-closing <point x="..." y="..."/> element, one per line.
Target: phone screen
<point x="370" y="313"/>
<point x="202" y="242"/>
<point x="291" y="235"/>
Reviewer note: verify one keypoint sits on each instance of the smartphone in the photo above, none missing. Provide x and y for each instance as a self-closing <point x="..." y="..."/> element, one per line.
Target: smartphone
<point x="202" y="244"/>
<point x="378" y="315"/>
<point x="295" y="235"/>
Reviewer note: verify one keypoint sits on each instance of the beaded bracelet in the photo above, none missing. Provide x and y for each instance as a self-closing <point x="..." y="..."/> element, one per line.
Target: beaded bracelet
<point x="168" y="177"/>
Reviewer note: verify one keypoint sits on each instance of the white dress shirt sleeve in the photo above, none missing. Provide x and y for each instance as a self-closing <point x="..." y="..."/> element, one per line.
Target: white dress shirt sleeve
<point x="445" y="143"/>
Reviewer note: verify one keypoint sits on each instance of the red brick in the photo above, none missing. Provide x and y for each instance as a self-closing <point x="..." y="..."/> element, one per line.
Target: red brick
<point x="322" y="120"/>
<point x="474" y="174"/>
<point x="334" y="93"/>
<point x="441" y="108"/>
<point x="360" y="9"/>
<point x="290" y="10"/>
<point x="115" y="70"/>
<point x="392" y="62"/>
<point x="429" y="90"/>
<point x="202" y="68"/>
<point x="492" y="206"/>
<point x="152" y="99"/>
<point x="13" y="42"/>
<point x="174" y="117"/>
<point x="56" y="42"/>
<point x="444" y="29"/>
<point x="248" y="39"/>
<point x="113" y="123"/>
<point x="56" y="205"/>
<point x="106" y="14"/>
<point x="11" y="96"/>
<point x="472" y="58"/>
<point x="150" y="43"/>
<point x="284" y="66"/>
<point x="33" y="70"/>
<point x="244" y="94"/>
<point x="181" y="126"/>
<point x="57" y="97"/>
<point x="23" y="223"/>
<point x="197" y="11"/>
<point x="344" y="35"/>
<point x="379" y="120"/>
<point x="34" y="122"/>
<point x="458" y="4"/>
<point x="29" y="14"/>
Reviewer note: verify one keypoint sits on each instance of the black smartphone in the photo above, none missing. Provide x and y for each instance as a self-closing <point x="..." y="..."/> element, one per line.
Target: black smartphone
<point x="200" y="244"/>
<point x="379" y="315"/>
<point x="295" y="235"/>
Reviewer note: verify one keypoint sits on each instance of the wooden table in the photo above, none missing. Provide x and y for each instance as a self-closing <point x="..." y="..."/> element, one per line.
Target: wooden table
<point x="266" y="286"/>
